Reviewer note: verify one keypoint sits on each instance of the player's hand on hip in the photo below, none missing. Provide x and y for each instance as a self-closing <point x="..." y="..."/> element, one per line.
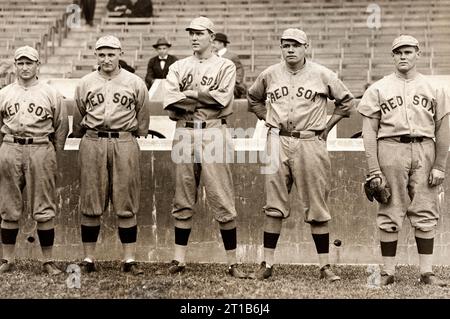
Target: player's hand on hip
<point x="375" y="182"/>
<point x="436" y="177"/>
<point x="324" y="135"/>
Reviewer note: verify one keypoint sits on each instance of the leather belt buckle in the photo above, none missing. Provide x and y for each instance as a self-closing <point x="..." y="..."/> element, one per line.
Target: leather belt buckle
<point x="411" y="139"/>
<point x="108" y="134"/>
<point x="290" y="134"/>
<point x="195" y="124"/>
<point x="23" y="140"/>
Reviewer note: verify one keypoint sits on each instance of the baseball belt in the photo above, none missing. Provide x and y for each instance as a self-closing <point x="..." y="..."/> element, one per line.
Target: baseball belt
<point x="105" y="134"/>
<point x="405" y="139"/>
<point x="26" y="140"/>
<point x="200" y="124"/>
<point x="299" y="134"/>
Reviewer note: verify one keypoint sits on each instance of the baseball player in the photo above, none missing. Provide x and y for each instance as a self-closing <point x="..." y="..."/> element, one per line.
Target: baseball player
<point x="220" y="48"/>
<point x="112" y="110"/>
<point x="291" y="97"/>
<point x="33" y="129"/>
<point x="403" y="112"/>
<point x="199" y="96"/>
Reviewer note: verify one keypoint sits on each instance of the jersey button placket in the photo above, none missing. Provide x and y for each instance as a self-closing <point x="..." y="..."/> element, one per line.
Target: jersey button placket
<point x="108" y="105"/>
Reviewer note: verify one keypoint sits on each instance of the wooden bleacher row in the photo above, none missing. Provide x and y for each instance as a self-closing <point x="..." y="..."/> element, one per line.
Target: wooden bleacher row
<point x="338" y="61"/>
<point x="292" y="9"/>
<point x="307" y="3"/>
<point x="348" y="40"/>
<point x="39" y="23"/>
<point x="276" y="26"/>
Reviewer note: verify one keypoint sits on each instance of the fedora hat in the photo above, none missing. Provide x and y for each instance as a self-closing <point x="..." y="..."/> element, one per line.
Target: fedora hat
<point x="221" y="37"/>
<point x="162" y="41"/>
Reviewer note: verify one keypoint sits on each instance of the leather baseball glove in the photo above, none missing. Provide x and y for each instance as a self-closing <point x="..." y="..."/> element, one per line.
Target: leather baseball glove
<point x="376" y="186"/>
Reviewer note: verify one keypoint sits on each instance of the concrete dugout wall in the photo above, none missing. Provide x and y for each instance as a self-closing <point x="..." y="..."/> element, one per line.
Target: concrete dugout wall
<point x="353" y="215"/>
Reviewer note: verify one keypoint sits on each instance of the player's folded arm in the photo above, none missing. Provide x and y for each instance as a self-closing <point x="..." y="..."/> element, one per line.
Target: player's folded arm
<point x="187" y="105"/>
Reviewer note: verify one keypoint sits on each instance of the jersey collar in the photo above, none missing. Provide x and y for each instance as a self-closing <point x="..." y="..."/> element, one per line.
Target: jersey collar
<point x="298" y="70"/>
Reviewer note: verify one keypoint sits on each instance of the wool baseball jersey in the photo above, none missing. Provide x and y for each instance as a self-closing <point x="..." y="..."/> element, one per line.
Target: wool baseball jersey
<point x="297" y="101"/>
<point x="117" y="104"/>
<point x="34" y="111"/>
<point x="213" y="77"/>
<point x="405" y="106"/>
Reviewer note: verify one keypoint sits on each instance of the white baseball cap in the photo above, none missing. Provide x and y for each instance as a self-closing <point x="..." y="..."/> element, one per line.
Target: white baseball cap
<point x="109" y="41"/>
<point x="295" y="34"/>
<point x="404" y="40"/>
<point x="28" y="52"/>
<point x="200" y="24"/>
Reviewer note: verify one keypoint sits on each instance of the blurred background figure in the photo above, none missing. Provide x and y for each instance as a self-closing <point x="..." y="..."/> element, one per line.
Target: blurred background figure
<point x="158" y="66"/>
<point x="220" y="48"/>
<point x="88" y="10"/>
<point x="124" y="65"/>
<point x="131" y="8"/>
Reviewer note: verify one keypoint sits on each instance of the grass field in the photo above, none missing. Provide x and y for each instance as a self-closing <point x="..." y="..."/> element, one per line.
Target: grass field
<point x="211" y="281"/>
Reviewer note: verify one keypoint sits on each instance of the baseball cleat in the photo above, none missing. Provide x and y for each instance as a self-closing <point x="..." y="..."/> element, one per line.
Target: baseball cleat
<point x="6" y="266"/>
<point x="88" y="266"/>
<point x="263" y="272"/>
<point x="328" y="274"/>
<point x="133" y="268"/>
<point x="176" y="267"/>
<point x="429" y="278"/>
<point x="50" y="268"/>
<point x="386" y="279"/>
<point x="234" y="271"/>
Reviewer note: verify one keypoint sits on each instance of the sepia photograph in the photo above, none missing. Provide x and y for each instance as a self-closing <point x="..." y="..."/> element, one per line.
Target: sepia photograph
<point x="224" y="158"/>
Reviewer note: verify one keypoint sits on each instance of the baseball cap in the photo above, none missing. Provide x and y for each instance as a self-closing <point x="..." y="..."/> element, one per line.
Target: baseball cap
<point x="295" y="34"/>
<point x="221" y="37"/>
<point x="201" y="23"/>
<point x="404" y="40"/>
<point x="109" y="41"/>
<point x="28" y="52"/>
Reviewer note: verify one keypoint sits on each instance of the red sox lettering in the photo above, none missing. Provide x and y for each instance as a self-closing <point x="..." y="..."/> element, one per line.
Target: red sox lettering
<point x="390" y="104"/>
<point x="283" y="91"/>
<point x="39" y="111"/>
<point x="96" y="99"/>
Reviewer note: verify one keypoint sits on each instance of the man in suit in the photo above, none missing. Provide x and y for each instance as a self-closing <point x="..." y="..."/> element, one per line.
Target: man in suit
<point x="220" y="47"/>
<point x="158" y="66"/>
<point x="131" y="8"/>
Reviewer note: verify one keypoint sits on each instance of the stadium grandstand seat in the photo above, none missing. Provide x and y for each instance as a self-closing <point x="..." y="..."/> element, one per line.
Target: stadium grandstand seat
<point x="339" y="35"/>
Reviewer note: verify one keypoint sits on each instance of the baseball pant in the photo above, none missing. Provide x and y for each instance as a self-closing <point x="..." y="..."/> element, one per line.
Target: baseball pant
<point x="304" y="162"/>
<point x="407" y="168"/>
<point x="215" y="173"/>
<point x="33" y="166"/>
<point x="109" y="171"/>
